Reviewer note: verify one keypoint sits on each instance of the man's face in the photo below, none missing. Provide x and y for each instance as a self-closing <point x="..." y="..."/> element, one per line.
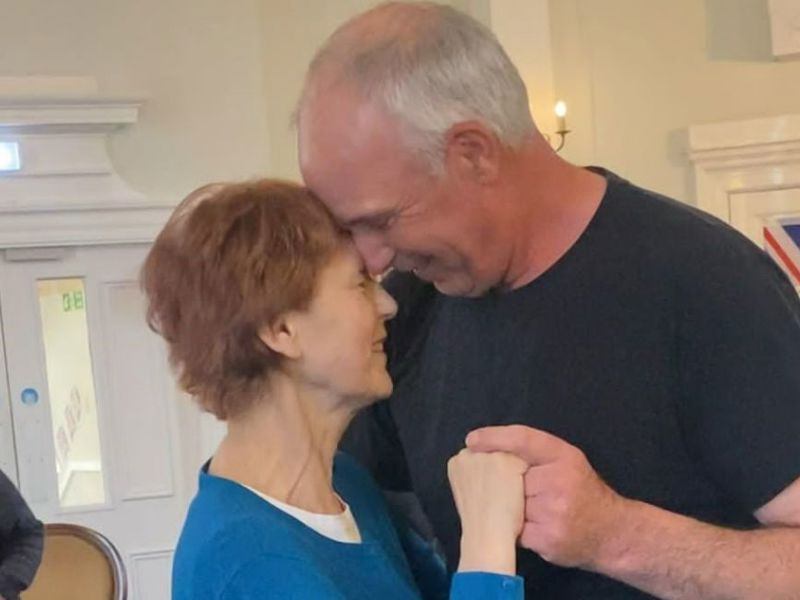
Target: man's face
<point x="353" y="156"/>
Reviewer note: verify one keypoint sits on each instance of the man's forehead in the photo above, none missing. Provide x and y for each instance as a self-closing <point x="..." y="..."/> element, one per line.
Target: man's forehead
<point x="332" y="157"/>
<point x="351" y="160"/>
<point x="332" y="111"/>
<point x="352" y="181"/>
<point x="352" y="211"/>
<point x="345" y="125"/>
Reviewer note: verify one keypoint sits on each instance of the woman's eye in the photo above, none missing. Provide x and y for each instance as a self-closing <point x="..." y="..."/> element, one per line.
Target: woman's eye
<point x="366" y="283"/>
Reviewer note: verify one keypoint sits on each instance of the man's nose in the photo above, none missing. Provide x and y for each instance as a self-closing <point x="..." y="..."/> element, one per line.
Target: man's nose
<point x="377" y="256"/>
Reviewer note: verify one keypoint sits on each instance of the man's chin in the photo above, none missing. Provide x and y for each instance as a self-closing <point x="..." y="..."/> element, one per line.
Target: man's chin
<point x="458" y="288"/>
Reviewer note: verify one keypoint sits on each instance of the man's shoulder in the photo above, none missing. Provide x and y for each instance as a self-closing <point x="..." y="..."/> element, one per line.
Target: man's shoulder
<point x="685" y="232"/>
<point x="653" y="210"/>
<point x="698" y="251"/>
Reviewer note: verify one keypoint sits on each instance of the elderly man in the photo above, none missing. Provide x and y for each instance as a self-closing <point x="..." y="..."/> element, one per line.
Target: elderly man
<point x="643" y="357"/>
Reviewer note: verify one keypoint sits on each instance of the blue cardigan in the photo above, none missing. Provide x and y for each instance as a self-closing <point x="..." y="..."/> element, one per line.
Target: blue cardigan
<point x="235" y="545"/>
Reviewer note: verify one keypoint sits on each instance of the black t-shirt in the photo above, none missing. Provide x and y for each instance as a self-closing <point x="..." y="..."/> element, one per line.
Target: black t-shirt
<point x="663" y="344"/>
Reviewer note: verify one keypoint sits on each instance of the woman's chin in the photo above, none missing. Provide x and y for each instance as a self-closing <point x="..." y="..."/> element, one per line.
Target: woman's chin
<point x="379" y="390"/>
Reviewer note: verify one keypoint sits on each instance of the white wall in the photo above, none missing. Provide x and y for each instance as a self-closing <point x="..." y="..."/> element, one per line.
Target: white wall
<point x="199" y="62"/>
<point x="637" y="73"/>
<point x="292" y="33"/>
<point x="523" y="28"/>
<point x="222" y="77"/>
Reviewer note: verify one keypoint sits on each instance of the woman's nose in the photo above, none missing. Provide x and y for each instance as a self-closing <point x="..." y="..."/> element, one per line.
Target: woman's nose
<point x="387" y="306"/>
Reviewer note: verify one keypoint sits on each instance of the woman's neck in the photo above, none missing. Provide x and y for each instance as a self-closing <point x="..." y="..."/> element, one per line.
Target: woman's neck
<point x="284" y="446"/>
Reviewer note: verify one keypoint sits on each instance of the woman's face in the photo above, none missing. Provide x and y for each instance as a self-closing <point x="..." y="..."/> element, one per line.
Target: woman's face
<point x="341" y="334"/>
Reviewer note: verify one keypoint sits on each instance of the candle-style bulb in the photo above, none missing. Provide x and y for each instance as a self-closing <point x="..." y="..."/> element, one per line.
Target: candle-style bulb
<point x="561" y="113"/>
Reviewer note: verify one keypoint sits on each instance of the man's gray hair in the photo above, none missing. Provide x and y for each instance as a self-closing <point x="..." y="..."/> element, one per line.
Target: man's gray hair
<point x="432" y="67"/>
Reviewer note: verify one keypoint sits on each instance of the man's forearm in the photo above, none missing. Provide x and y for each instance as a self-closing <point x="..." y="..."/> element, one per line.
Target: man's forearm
<point x="675" y="557"/>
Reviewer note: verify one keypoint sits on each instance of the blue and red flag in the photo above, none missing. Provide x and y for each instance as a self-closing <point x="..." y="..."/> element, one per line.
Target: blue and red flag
<point x="782" y="242"/>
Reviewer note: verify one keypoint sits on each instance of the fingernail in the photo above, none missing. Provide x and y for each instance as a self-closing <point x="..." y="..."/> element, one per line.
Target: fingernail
<point x="472" y="438"/>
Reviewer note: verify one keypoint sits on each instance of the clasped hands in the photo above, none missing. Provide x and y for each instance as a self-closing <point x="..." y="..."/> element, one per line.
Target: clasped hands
<point x="515" y="484"/>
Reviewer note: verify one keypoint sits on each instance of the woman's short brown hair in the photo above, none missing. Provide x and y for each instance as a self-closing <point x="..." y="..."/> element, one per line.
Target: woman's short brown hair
<point x="232" y="258"/>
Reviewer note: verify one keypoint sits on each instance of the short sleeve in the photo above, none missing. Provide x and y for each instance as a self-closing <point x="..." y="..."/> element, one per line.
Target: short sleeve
<point x="739" y="365"/>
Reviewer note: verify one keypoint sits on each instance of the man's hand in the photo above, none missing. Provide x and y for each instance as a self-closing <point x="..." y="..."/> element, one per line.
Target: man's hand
<point x="570" y="513"/>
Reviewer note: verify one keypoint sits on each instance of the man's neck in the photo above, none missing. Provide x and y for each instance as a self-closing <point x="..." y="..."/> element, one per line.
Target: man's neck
<point x="555" y="203"/>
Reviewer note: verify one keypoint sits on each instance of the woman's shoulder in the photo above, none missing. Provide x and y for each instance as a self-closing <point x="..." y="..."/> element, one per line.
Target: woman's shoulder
<point x="227" y="519"/>
<point x="220" y="543"/>
<point x="247" y="560"/>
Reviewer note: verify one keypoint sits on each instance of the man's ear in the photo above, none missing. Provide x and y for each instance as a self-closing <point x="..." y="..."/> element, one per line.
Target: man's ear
<point x="473" y="151"/>
<point x="281" y="336"/>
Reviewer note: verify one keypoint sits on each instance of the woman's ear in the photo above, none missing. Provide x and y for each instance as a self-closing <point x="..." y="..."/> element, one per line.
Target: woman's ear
<point x="281" y="337"/>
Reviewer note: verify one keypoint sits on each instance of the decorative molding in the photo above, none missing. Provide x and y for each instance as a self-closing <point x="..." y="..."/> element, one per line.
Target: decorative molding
<point x="145" y="461"/>
<point x="153" y="585"/>
<point x="142" y="555"/>
<point x="67" y="191"/>
<point x="21" y="115"/>
<point x="744" y="156"/>
<point x="777" y="136"/>
<point x="80" y="227"/>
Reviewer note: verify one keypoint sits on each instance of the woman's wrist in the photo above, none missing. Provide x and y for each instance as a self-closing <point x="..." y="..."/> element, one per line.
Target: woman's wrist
<point x="480" y="553"/>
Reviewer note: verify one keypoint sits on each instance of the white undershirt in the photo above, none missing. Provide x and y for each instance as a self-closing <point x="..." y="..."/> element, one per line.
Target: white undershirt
<point x="340" y="528"/>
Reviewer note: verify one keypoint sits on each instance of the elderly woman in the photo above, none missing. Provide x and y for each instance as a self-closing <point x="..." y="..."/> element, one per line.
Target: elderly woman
<point x="274" y="327"/>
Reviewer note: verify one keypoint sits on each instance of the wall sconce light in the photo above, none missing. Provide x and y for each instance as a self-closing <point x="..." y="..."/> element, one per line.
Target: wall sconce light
<point x="561" y="124"/>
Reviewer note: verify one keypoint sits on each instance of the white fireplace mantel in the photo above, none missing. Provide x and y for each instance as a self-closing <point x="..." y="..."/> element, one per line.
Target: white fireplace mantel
<point x="753" y="155"/>
<point x="67" y="191"/>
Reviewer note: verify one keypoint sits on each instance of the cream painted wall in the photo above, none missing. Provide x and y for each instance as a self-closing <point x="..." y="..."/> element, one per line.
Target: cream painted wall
<point x="292" y="33"/>
<point x="222" y="78"/>
<point x="523" y="28"/>
<point x="637" y="74"/>
<point x="199" y="63"/>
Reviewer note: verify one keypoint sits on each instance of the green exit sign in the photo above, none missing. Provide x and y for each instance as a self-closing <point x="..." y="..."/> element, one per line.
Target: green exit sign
<point x="72" y="301"/>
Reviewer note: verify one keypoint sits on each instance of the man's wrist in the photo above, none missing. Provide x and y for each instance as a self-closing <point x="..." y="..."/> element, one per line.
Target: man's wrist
<point x="617" y="542"/>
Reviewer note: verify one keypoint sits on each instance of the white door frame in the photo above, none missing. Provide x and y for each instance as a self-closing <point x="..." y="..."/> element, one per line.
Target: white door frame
<point x="66" y="194"/>
<point x="738" y="157"/>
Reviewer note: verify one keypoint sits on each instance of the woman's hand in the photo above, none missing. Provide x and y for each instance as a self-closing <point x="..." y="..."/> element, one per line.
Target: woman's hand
<point x="490" y="497"/>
